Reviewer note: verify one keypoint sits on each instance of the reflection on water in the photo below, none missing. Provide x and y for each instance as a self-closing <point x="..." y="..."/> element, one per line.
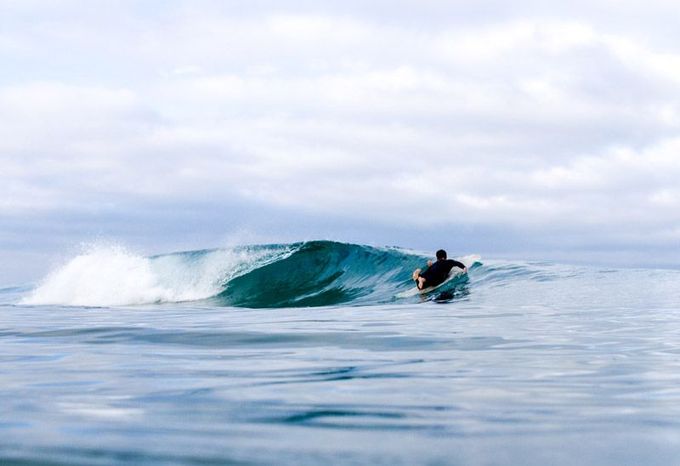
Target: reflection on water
<point x="558" y="366"/>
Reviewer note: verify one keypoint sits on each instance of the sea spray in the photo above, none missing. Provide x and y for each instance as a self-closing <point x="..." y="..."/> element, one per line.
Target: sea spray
<point x="111" y="275"/>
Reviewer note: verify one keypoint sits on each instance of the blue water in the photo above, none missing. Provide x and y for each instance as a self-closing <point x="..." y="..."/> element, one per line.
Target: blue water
<point x="524" y="363"/>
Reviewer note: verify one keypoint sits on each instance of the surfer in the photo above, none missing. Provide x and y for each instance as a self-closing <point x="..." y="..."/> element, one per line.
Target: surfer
<point x="437" y="272"/>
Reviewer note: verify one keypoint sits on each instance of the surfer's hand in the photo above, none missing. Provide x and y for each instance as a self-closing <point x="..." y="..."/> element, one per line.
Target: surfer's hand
<point x="429" y="263"/>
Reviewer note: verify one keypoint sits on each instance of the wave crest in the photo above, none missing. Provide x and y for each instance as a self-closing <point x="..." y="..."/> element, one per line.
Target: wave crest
<point x="315" y="273"/>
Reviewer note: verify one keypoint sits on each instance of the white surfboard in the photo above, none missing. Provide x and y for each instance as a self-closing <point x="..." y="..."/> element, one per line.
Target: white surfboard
<point x="468" y="261"/>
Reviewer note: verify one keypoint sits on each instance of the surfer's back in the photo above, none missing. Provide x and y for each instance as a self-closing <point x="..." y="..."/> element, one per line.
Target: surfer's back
<point x="438" y="272"/>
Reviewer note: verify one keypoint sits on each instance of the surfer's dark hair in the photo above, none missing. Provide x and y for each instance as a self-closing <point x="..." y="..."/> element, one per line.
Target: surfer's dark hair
<point x="441" y="254"/>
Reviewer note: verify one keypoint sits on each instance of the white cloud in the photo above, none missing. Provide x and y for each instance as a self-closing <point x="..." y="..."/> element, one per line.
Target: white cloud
<point x="532" y="121"/>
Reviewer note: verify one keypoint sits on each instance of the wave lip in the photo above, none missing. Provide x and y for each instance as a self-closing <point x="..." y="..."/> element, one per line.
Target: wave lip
<point x="322" y="273"/>
<point x="315" y="273"/>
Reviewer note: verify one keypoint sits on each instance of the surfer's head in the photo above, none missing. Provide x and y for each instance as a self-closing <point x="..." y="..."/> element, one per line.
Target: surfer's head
<point x="441" y="255"/>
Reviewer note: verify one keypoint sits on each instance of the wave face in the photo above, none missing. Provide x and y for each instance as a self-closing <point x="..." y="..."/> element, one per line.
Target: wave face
<point x="316" y="273"/>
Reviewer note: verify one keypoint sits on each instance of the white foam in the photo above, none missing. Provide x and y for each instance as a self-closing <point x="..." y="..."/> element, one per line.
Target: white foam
<point x="114" y="276"/>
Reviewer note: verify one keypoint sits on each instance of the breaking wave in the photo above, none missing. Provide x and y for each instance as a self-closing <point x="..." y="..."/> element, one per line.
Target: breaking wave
<point x="315" y="273"/>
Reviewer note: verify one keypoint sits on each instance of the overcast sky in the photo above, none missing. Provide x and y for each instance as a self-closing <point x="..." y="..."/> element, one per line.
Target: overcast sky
<point x="513" y="129"/>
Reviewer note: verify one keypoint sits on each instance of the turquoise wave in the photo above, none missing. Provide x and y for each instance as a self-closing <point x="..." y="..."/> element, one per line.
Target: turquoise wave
<point x="314" y="273"/>
<point x="323" y="273"/>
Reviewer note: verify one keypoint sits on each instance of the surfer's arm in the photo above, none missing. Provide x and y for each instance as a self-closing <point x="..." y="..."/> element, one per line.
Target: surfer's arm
<point x="419" y="279"/>
<point x="424" y="275"/>
<point x="460" y="265"/>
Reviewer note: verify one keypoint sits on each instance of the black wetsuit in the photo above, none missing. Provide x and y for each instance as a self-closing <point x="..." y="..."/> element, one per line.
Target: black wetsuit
<point x="438" y="272"/>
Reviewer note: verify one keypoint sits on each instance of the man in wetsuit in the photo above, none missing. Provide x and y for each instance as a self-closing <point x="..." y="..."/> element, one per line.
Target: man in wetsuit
<point x="436" y="273"/>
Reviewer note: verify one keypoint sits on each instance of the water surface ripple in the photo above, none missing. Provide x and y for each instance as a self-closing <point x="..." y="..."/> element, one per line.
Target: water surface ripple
<point x="559" y="366"/>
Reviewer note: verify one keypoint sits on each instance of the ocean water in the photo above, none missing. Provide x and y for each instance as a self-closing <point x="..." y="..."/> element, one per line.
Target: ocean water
<point x="304" y="354"/>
